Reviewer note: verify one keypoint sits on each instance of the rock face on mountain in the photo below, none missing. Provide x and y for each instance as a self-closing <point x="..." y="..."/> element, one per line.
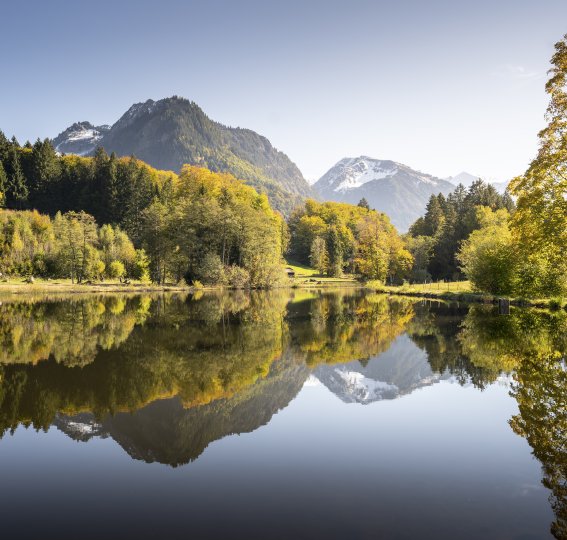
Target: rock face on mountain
<point x="174" y="131"/>
<point x="81" y="138"/>
<point x="400" y="370"/>
<point x="393" y="188"/>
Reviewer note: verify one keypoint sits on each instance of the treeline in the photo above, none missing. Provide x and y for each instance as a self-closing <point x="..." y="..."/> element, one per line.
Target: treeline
<point x="338" y="237"/>
<point x="198" y="225"/>
<point x="70" y="245"/>
<point x="436" y="238"/>
<point x="501" y="247"/>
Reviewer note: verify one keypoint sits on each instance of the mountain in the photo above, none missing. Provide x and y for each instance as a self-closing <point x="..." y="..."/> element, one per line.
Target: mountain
<point x="464" y="178"/>
<point x="165" y="432"/>
<point x="390" y="187"/>
<point x="174" y="131"/>
<point x="501" y="186"/>
<point x="467" y="179"/>
<point x="81" y="138"/>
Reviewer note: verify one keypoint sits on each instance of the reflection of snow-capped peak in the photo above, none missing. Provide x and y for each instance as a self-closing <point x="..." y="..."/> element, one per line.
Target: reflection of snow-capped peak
<point x="81" y="427"/>
<point x="361" y="389"/>
<point x="398" y="371"/>
<point x="312" y="381"/>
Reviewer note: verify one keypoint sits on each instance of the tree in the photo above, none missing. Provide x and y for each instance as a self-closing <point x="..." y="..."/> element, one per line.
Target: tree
<point x="487" y="256"/>
<point x="363" y="203"/>
<point x="335" y="252"/>
<point x="16" y="187"/>
<point x="539" y="225"/>
<point x="116" y="270"/>
<point x="77" y="255"/>
<point x="45" y="168"/>
<point x="318" y="256"/>
<point x="3" y="184"/>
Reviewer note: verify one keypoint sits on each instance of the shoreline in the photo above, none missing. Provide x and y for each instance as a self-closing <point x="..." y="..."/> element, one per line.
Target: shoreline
<point x="478" y="298"/>
<point x="22" y="288"/>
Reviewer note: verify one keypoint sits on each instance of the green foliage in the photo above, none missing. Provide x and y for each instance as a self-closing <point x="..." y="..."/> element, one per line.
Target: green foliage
<point x="318" y="257"/>
<point x="116" y="270"/>
<point x="487" y="255"/>
<point x="449" y="221"/>
<point x="211" y="222"/>
<point x="356" y="239"/>
<point x="177" y="220"/>
<point x="70" y="245"/>
<point x="539" y="225"/>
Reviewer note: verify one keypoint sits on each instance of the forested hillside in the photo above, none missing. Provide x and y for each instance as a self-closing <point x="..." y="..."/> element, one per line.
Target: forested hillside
<point x="172" y="132"/>
<point x="199" y="225"/>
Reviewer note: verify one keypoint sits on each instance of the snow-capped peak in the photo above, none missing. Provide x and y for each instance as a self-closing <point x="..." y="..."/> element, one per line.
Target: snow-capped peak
<point x="352" y="173"/>
<point x="81" y="138"/>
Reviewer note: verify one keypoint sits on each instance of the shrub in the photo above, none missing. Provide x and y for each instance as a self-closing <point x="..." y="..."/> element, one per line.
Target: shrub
<point x="211" y="270"/>
<point x="237" y="277"/>
<point x="115" y="270"/>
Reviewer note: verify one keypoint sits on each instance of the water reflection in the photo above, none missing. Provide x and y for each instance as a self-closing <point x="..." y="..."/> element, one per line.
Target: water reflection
<point x="165" y="376"/>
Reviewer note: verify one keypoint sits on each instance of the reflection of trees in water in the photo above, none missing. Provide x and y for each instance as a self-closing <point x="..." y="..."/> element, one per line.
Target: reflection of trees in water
<point x="69" y="331"/>
<point x="541" y="392"/>
<point x="341" y="327"/>
<point x="201" y="350"/>
<point x="533" y="344"/>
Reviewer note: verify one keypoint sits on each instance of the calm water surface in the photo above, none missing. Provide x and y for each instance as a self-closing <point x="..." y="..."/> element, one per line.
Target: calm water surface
<point x="281" y="415"/>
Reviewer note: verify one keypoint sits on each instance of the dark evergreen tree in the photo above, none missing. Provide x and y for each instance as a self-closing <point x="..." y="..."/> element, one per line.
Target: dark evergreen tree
<point x="3" y="184"/>
<point x="45" y="169"/>
<point x="16" y="187"/>
<point x="363" y="203"/>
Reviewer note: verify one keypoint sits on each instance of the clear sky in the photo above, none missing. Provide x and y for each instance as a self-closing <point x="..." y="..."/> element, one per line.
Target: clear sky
<point x="442" y="86"/>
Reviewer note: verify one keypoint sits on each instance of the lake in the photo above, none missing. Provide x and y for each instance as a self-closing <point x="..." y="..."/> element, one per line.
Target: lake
<point x="286" y="414"/>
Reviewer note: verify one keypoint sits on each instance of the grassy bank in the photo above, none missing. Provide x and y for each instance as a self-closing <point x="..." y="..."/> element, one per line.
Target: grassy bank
<point x="306" y="277"/>
<point x="21" y="286"/>
<point x="461" y="291"/>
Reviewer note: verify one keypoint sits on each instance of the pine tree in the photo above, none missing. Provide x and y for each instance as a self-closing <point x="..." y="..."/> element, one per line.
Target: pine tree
<point x="3" y="184"/>
<point x="363" y="203"/>
<point x="16" y="187"/>
<point x="45" y="169"/>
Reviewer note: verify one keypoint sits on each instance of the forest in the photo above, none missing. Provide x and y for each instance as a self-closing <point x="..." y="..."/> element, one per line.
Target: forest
<point x="105" y="217"/>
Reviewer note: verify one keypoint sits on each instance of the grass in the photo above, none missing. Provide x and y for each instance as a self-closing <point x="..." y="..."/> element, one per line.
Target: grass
<point x="437" y="287"/>
<point x="305" y="276"/>
<point x="19" y="285"/>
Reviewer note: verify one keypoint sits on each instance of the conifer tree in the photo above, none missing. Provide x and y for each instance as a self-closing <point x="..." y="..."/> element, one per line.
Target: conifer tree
<point x="3" y="184"/>
<point x="16" y="188"/>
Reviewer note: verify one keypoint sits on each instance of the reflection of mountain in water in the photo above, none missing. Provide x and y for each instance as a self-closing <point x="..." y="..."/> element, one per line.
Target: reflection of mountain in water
<point x="398" y="371"/>
<point x="165" y="432"/>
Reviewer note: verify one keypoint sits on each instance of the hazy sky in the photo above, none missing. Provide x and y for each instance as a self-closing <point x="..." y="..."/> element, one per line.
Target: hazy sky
<point x="442" y="86"/>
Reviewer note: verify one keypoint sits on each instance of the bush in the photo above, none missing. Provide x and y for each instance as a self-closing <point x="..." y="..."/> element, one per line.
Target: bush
<point x="197" y="284"/>
<point x="115" y="270"/>
<point x="237" y="277"/>
<point x="211" y="270"/>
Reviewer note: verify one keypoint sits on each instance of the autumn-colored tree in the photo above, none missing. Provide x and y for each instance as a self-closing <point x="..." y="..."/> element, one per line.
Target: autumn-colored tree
<point x="539" y="225"/>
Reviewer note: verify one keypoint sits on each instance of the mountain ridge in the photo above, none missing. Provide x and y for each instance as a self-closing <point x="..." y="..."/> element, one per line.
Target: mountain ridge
<point x="390" y="187"/>
<point x="171" y="132"/>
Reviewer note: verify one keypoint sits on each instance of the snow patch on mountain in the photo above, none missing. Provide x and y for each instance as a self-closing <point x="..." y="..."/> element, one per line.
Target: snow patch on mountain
<point x="352" y="173"/>
<point x="81" y="138"/>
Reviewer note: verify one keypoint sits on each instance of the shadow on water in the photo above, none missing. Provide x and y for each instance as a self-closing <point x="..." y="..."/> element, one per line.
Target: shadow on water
<point x="166" y="375"/>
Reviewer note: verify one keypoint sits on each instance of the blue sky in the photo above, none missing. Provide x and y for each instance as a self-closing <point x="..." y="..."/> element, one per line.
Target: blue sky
<point x="442" y="86"/>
